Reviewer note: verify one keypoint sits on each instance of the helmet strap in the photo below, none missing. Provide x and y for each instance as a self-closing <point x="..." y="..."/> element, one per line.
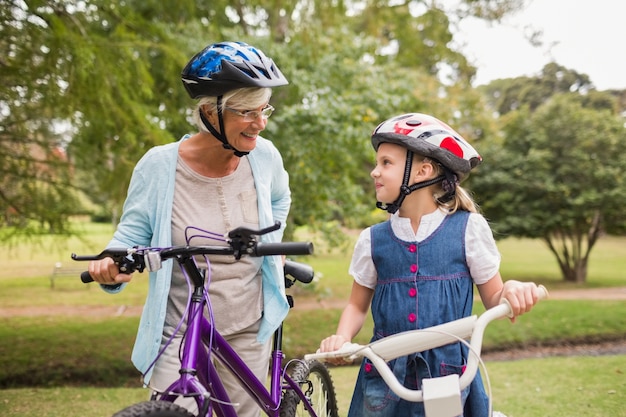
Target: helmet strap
<point x="405" y="188"/>
<point x="218" y="135"/>
<point x="448" y="184"/>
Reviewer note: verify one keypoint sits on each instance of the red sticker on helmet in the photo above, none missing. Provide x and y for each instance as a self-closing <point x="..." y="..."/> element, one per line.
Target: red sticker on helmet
<point x="451" y="144"/>
<point x="406" y="126"/>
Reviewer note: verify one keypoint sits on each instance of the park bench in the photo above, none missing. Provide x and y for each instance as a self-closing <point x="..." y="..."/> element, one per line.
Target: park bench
<point x="63" y="271"/>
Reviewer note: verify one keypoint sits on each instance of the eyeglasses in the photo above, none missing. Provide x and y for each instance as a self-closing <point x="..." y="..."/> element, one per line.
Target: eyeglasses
<point x="252" y="115"/>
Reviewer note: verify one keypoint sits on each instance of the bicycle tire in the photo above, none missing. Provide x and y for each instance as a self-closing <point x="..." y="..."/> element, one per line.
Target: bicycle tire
<point x="154" y="409"/>
<point x="315" y="381"/>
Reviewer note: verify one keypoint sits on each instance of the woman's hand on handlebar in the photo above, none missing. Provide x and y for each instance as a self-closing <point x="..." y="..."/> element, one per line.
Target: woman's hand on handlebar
<point x="106" y="271"/>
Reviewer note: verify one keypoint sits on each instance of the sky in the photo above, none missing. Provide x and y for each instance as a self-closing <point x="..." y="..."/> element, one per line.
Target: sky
<point x="588" y="36"/>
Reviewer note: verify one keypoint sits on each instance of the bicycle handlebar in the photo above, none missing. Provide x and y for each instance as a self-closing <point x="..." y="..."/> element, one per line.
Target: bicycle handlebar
<point x="241" y="241"/>
<point x="283" y="248"/>
<point x="301" y="272"/>
<point x="391" y="347"/>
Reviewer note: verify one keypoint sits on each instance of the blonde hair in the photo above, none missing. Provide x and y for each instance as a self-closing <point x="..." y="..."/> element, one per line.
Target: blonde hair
<point x="241" y="98"/>
<point x="462" y="198"/>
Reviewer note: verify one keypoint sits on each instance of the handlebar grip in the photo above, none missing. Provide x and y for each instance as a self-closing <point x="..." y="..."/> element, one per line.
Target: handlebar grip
<point x="302" y="272"/>
<point x="85" y="277"/>
<point x="543" y="292"/>
<point x="283" y="248"/>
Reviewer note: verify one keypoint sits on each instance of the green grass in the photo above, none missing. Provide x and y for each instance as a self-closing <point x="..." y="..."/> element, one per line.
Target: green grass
<point x="551" y="322"/>
<point x="67" y="401"/>
<point x="555" y="387"/>
<point x="556" y="321"/>
<point x="59" y="350"/>
<point x="68" y="291"/>
<point x="560" y="387"/>
<point x="530" y="260"/>
<point x="38" y="256"/>
<point x="26" y="271"/>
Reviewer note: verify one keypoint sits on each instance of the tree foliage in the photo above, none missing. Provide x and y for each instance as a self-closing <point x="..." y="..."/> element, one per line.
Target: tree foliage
<point x="557" y="176"/>
<point x="511" y="94"/>
<point x="79" y="80"/>
<point x="89" y="86"/>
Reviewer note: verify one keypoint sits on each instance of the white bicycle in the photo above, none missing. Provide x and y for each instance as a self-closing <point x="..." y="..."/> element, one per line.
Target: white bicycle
<point x="441" y="395"/>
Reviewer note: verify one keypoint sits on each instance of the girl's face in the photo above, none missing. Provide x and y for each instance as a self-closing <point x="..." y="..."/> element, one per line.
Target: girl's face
<point x="389" y="171"/>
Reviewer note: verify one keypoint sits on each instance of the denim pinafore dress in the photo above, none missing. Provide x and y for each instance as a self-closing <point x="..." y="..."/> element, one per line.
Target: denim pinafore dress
<point x="419" y="285"/>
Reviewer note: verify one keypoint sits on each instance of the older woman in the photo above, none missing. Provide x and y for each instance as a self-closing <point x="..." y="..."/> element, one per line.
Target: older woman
<point x="221" y="177"/>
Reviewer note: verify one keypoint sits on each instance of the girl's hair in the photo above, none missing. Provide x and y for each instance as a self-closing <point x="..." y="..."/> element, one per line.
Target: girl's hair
<point x="462" y="198"/>
<point x="241" y="98"/>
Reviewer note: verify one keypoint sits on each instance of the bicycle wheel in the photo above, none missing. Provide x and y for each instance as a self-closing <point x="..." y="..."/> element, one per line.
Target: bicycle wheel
<point x="154" y="409"/>
<point x="316" y="383"/>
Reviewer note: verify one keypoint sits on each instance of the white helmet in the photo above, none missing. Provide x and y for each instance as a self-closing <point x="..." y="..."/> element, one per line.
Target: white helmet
<point x="430" y="137"/>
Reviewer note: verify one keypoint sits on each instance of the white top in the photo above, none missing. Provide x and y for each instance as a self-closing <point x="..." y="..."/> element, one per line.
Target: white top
<point x="482" y="255"/>
<point x="219" y="205"/>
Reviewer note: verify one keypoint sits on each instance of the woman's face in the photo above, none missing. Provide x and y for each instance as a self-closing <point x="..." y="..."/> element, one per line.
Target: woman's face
<point x="389" y="171"/>
<point x="242" y="134"/>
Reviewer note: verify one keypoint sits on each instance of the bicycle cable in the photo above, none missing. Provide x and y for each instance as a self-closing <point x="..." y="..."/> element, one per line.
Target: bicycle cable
<point x="481" y="363"/>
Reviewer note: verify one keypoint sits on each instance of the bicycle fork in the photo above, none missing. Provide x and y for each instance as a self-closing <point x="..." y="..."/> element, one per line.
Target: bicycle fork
<point x="191" y="383"/>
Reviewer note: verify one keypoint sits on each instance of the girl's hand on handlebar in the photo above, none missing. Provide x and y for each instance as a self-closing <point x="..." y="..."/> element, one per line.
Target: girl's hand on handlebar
<point x="521" y="296"/>
<point x="331" y="344"/>
<point x="106" y="272"/>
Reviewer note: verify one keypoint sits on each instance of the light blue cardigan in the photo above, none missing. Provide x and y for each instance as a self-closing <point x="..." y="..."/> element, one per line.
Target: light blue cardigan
<point x="146" y="221"/>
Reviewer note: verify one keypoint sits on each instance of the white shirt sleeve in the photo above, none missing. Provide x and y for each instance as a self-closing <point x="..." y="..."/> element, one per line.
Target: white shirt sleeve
<point x="481" y="252"/>
<point x="362" y="266"/>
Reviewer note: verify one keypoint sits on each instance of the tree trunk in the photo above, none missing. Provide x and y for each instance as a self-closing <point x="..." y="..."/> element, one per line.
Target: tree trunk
<point x="571" y="256"/>
<point x="576" y="274"/>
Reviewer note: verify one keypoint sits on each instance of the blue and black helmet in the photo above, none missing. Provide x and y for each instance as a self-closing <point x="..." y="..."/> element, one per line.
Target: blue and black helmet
<point x="226" y="66"/>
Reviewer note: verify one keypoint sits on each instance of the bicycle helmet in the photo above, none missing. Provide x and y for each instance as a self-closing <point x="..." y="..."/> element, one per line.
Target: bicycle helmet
<point x="427" y="136"/>
<point x="226" y="66"/>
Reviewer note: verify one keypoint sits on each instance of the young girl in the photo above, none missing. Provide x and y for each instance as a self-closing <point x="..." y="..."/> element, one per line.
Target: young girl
<point x="417" y="269"/>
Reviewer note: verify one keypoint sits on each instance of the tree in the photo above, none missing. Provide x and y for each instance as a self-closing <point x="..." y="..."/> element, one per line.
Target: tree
<point x="324" y="135"/>
<point x="557" y="176"/>
<point x="107" y="71"/>
<point x="344" y="83"/>
<point x="507" y="95"/>
<point x="35" y="177"/>
<point x="81" y="95"/>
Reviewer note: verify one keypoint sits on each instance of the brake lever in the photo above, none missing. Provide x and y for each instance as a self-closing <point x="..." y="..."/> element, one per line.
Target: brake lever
<point x="245" y="233"/>
<point x="127" y="260"/>
<point x="243" y="238"/>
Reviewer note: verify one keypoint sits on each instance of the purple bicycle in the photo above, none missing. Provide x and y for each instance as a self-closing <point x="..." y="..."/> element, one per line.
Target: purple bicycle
<point x="296" y="388"/>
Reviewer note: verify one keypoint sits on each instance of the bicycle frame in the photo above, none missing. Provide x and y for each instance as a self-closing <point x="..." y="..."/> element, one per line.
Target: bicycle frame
<point x="414" y="341"/>
<point x="202" y="343"/>
<point x="198" y="374"/>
